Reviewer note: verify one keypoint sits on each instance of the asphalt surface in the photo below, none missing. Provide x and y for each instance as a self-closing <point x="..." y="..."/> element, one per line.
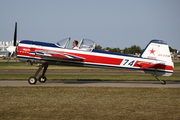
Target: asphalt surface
<point x="88" y="83"/>
<point x="80" y="72"/>
<point x="150" y="84"/>
<point x="141" y="84"/>
<point x="92" y="84"/>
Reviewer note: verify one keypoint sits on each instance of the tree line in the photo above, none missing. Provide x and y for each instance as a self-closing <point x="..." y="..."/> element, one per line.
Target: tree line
<point x="134" y="49"/>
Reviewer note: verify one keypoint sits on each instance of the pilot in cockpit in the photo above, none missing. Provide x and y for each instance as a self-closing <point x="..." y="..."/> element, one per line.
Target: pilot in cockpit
<point x="75" y="43"/>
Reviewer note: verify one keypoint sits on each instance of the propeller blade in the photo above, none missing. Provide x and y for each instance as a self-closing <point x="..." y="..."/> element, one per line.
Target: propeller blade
<point x="15" y="34"/>
<point x="13" y="49"/>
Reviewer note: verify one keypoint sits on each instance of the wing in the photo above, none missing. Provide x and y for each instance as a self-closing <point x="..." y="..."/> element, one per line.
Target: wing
<point x="51" y="55"/>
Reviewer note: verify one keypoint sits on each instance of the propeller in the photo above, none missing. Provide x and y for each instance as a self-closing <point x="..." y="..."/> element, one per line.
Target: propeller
<point x="12" y="49"/>
<point x="15" y="34"/>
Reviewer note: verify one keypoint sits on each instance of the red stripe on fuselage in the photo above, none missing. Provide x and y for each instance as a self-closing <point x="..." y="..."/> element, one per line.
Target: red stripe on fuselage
<point x="88" y="58"/>
<point x="24" y="51"/>
<point x="98" y="59"/>
<point x="165" y="67"/>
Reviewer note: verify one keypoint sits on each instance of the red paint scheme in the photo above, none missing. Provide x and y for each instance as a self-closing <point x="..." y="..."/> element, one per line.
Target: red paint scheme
<point x="150" y="65"/>
<point x="88" y="58"/>
<point x="98" y="59"/>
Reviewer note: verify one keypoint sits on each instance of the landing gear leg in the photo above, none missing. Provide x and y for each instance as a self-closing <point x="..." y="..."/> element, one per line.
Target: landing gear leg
<point x="42" y="78"/>
<point x="163" y="82"/>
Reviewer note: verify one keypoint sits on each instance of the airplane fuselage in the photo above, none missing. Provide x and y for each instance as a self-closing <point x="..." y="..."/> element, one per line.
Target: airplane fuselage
<point x="88" y="58"/>
<point x="155" y="59"/>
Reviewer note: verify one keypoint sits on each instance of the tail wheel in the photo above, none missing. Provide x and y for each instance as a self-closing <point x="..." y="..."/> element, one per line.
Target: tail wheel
<point x="42" y="79"/>
<point x="163" y="82"/>
<point x="32" y="80"/>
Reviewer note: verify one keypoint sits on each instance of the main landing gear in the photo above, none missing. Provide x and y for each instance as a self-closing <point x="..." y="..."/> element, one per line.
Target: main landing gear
<point x="42" y="78"/>
<point x="163" y="82"/>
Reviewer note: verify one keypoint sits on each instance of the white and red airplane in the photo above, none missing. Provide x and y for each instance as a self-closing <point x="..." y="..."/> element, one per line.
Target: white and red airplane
<point x="155" y="59"/>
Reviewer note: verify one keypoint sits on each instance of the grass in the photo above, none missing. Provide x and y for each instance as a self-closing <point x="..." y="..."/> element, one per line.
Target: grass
<point x="80" y="77"/>
<point x="85" y="103"/>
<point x="23" y="66"/>
<point x="68" y="77"/>
<point x="177" y="66"/>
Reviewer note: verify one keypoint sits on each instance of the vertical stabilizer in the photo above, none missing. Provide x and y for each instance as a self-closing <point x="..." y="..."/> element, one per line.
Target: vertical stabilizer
<point x="157" y="49"/>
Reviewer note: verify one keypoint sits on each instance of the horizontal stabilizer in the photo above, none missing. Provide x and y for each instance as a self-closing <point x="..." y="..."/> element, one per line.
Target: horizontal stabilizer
<point x="144" y="65"/>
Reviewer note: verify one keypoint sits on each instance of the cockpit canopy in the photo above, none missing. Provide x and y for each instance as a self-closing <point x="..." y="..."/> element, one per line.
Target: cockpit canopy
<point x="84" y="44"/>
<point x="87" y="44"/>
<point x="63" y="43"/>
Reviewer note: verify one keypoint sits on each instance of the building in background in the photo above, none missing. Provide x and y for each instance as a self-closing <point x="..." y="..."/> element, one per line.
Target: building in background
<point x="3" y="48"/>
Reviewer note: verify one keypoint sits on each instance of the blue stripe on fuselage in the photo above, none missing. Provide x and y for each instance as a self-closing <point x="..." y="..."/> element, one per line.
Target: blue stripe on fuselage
<point x="39" y="43"/>
<point x="112" y="53"/>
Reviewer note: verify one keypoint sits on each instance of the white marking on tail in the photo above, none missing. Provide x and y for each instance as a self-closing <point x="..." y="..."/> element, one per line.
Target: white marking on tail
<point x="158" y="50"/>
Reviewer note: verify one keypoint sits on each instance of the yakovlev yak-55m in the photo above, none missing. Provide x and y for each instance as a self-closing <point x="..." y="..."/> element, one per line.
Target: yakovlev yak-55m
<point x="155" y="59"/>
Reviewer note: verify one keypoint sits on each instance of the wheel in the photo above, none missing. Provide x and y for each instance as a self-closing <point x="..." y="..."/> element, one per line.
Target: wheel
<point x="29" y="62"/>
<point x="163" y="82"/>
<point x="32" y="80"/>
<point x="42" y="79"/>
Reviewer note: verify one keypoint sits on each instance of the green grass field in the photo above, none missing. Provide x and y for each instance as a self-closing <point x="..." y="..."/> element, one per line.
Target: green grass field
<point x="23" y="66"/>
<point x="177" y="66"/>
<point x="89" y="103"/>
<point x="78" y="77"/>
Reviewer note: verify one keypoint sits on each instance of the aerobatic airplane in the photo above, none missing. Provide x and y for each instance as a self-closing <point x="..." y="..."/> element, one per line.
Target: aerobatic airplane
<point x="155" y="59"/>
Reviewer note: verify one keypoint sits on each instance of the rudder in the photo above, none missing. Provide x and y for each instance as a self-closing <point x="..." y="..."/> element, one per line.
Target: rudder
<point x="157" y="49"/>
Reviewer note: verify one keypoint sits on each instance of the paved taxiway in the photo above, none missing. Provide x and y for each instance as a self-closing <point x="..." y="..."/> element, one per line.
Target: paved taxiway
<point x="73" y="72"/>
<point x="93" y="84"/>
<point x="150" y="84"/>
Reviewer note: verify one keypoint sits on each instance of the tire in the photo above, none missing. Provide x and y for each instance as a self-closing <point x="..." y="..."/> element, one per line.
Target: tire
<point x="163" y="82"/>
<point x="29" y="62"/>
<point x="42" y="79"/>
<point x="32" y="80"/>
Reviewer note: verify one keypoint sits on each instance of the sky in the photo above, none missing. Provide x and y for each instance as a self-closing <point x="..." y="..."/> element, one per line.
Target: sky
<point x="110" y="23"/>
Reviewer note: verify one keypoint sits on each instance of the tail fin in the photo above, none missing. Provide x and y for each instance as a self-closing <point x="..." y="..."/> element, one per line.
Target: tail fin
<point x="157" y="49"/>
